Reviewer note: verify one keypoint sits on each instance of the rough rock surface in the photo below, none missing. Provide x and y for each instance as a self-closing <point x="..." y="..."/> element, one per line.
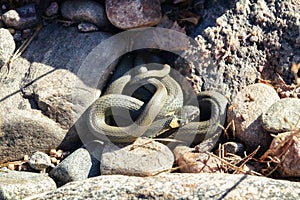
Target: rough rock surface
<point x="7" y="46"/>
<point x="133" y="14"/>
<point x="43" y="95"/>
<point x="240" y="41"/>
<point x="19" y="185"/>
<point x="178" y="186"/>
<point x="246" y="110"/>
<point x="85" y="11"/>
<point x="195" y="162"/>
<point x="142" y="158"/>
<point x="21" y="18"/>
<point x="40" y="161"/>
<point x="286" y="147"/>
<point x="282" y="116"/>
<point x="73" y="168"/>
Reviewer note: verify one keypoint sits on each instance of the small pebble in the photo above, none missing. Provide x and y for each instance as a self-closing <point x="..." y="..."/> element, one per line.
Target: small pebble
<point x="253" y="38"/>
<point x="87" y="27"/>
<point x="21" y="18"/>
<point x="233" y="148"/>
<point x="40" y="161"/>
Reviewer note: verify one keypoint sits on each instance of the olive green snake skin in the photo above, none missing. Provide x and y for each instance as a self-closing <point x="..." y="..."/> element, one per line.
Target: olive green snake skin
<point x="153" y="116"/>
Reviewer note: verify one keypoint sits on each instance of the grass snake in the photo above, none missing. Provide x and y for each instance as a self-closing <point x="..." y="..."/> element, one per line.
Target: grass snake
<point x="152" y="119"/>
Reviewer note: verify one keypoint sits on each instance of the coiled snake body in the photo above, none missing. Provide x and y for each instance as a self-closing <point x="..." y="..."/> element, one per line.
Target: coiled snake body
<point x="153" y="119"/>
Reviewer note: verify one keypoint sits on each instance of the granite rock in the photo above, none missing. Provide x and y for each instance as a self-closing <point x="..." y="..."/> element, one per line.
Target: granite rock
<point x="246" y="110"/>
<point x="142" y="158"/>
<point x="22" y="17"/>
<point x="282" y="116"/>
<point x="19" y="185"/>
<point x="7" y="46"/>
<point x="73" y="168"/>
<point x="178" y="186"/>
<point x="85" y="11"/>
<point x="133" y="14"/>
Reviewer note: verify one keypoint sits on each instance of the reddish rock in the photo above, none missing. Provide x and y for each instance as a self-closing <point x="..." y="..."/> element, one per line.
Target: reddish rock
<point x="246" y="110"/>
<point x="128" y="14"/>
<point x="286" y="147"/>
<point x="195" y="162"/>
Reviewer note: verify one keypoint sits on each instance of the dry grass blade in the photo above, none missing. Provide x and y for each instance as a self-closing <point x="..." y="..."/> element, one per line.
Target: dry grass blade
<point x="22" y="48"/>
<point x="275" y="156"/>
<point x="237" y="168"/>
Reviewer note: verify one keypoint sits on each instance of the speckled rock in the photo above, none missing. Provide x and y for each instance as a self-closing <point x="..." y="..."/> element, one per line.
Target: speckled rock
<point x="286" y="147"/>
<point x="240" y="41"/>
<point x="282" y="116"/>
<point x="44" y="95"/>
<point x="73" y="168"/>
<point x="26" y="131"/>
<point x="246" y="110"/>
<point x="142" y="158"/>
<point x="233" y="148"/>
<point x="190" y="161"/>
<point x="87" y="27"/>
<point x="85" y="11"/>
<point x="19" y="185"/>
<point x="21" y="18"/>
<point x="178" y="186"/>
<point x="7" y="46"/>
<point x="40" y="161"/>
<point x="133" y="14"/>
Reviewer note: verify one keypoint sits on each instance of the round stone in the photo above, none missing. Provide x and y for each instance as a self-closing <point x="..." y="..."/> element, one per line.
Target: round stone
<point x="282" y="116"/>
<point x="40" y="161"/>
<point x="142" y="158"/>
<point x="246" y="110"/>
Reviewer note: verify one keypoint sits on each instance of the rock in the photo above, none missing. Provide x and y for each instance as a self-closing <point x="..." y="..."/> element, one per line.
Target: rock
<point x="246" y="110"/>
<point x="233" y="148"/>
<point x="40" y="161"/>
<point x="229" y="61"/>
<point x="73" y="168"/>
<point x="178" y="186"/>
<point x="25" y="131"/>
<point x="42" y="97"/>
<point x="133" y="14"/>
<point x="286" y="148"/>
<point x="21" y="18"/>
<point x="52" y="9"/>
<point x="95" y="149"/>
<point x="142" y="158"/>
<point x="282" y="116"/>
<point x="7" y="46"/>
<point x="19" y="185"/>
<point x="85" y="11"/>
<point x="189" y="161"/>
<point x="87" y="27"/>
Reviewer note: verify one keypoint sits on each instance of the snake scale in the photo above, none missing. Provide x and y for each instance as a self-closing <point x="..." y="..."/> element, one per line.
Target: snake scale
<point x="153" y="118"/>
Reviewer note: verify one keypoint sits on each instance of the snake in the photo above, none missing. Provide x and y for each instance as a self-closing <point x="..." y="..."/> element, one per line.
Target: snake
<point x="152" y="120"/>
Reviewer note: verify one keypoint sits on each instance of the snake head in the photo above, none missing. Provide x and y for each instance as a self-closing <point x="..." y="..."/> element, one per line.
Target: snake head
<point x="186" y="114"/>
